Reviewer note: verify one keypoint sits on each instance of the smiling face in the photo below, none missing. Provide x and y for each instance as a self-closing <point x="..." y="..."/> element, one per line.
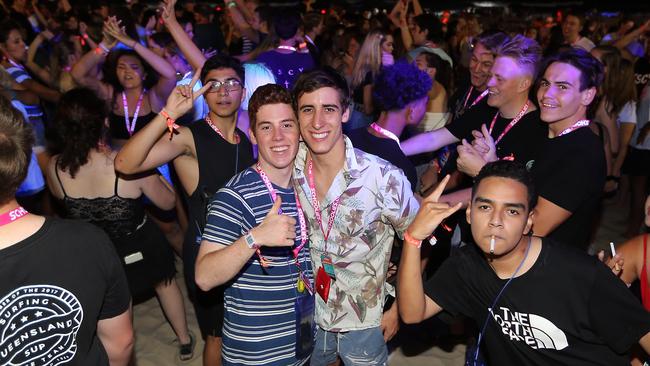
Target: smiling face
<point x="499" y="209"/>
<point x="14" y="47"/>
<point x="276" y="135"/>
<point x="224" y="101"/>
<point x="508" y="80"/>
<point x="130" y="72"/>
<point x="559" y="96"/>
<point x="321" y="116"/>
<point x="479" y="66"/>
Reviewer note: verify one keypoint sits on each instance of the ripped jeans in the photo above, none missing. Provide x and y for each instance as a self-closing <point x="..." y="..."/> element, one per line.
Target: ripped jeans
<point x="356" y="347"/>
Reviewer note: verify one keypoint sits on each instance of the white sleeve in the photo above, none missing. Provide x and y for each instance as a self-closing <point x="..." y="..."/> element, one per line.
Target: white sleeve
<point x="628" y="113"/>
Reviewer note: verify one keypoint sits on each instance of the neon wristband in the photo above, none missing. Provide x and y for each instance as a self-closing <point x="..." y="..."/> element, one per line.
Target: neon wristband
<point x="409" y="239"/>
<point x="172" y="127"/>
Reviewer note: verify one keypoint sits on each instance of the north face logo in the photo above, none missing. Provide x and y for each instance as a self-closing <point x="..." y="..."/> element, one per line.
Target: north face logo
<point x="534" y="330"/>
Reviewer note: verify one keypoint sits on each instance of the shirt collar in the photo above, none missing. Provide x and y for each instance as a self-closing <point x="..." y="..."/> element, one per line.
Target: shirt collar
<point x="351" y="166"/>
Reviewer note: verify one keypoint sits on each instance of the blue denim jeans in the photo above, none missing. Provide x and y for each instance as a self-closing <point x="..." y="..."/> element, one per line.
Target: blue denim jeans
<point x="356" y="348"/>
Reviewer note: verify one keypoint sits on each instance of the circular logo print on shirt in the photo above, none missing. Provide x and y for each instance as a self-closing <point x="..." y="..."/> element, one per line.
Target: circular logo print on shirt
<point x="38" y="326"/>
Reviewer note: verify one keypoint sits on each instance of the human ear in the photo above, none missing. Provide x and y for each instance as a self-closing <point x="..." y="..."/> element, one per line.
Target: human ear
<point x="588" y="96"/>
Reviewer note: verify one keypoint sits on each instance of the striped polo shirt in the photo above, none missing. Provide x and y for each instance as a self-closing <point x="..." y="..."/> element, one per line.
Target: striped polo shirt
<point x="259" y="317"/>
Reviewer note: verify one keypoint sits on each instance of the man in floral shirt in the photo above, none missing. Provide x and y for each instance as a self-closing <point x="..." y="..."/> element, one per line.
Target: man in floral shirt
<point x="354" y="202"/>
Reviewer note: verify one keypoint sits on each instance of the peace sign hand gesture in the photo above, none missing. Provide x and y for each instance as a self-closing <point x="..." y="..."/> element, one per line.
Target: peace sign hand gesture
<point x="431" y="213"/>
<point x="181" y="99"/>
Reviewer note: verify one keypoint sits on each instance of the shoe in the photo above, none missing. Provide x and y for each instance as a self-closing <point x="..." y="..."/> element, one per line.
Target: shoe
<point x="186" y="351"/>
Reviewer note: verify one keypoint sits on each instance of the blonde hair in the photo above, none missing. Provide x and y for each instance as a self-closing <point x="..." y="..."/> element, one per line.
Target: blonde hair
<point x="369" y="58"/>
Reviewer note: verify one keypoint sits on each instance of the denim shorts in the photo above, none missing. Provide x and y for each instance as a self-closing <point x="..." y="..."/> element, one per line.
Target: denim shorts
<point x="356" y="347"/>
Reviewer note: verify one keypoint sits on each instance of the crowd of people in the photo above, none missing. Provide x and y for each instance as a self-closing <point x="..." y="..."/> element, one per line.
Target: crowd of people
<point x="296" y="160"/>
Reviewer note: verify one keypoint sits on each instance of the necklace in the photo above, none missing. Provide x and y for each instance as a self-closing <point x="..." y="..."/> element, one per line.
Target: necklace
<point x="510" y="125"/>
<point x="384" y="132"/>
<point x="12" y="215"/>
<point x="581" y="123"/>
<point x="130" y="125"/>
<point x="478" y="99"/>
<point x="216" y="129"/>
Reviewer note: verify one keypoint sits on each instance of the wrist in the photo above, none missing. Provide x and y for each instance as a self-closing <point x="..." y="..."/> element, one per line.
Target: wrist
<point x="251" y="241"/>
<point x="411" y="239"/>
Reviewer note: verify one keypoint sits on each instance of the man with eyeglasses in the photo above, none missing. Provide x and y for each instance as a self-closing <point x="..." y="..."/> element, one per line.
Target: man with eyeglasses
<point x="205" y="155"/>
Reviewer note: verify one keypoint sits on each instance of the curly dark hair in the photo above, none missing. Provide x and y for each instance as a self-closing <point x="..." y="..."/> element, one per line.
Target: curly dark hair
<point x="79" y="125"/>
<point x="400" y="84"/>
<point x="110" y="70"/>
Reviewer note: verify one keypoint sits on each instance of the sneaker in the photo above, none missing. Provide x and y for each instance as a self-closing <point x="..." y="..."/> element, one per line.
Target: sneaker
<point x="186" y="351"/>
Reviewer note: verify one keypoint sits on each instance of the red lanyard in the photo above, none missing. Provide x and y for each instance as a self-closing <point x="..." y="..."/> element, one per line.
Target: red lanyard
<point x="12" y="215"/>
<point x="316" y="205"/>
<point x="478" y="99"/>
<point x="575" y="126"/>
<point x="130" y="125"/>
<point x="384" y="132"/>
<point x="510" y="125"/>
<point x="216" y="129"/>
<point x="301" y="220"/>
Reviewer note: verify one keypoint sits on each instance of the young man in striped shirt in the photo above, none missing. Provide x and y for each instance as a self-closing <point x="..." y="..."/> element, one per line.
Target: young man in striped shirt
<point x="256" y="243"/>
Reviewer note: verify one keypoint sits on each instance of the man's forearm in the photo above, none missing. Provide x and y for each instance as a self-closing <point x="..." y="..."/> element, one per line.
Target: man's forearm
<point x="220" y="266"/>
<point x="410" y="295"/>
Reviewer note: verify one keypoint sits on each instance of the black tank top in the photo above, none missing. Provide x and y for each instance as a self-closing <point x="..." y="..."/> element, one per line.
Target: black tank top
<point x="118" y="216"/>
<point x="218" y="161"/>
<point x="117" y="125"/>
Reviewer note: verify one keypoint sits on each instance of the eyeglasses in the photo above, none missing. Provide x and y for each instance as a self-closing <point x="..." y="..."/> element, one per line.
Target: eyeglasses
<point x="231" y="85"/>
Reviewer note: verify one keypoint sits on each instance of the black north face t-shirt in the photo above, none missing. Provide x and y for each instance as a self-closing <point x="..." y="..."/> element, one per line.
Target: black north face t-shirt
<point x="567" y="309"/>
<point x="54" y="288"/>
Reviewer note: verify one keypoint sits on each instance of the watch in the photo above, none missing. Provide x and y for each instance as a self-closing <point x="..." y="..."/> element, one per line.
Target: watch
<point x="250" y="241"/>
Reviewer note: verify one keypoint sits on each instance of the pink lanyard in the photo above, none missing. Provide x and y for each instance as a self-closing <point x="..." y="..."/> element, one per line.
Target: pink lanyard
<point x="510" y="125"/>
<point x="384" y="132"/>
<point x="216" y="129"/>
<point x="478" y="99"/>
<point x="575" y="126"/>
<point x="314" y="202"/>
<point x="130" y="126"/>
<point x="301" y="220"/>
<point x="12" y="215"/>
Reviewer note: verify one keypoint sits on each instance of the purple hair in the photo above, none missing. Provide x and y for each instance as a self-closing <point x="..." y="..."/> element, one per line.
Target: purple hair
<point x="400" y="84"/>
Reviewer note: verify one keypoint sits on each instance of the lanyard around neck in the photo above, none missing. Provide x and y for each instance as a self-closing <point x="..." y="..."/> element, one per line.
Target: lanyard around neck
<point x="510" y="125"/>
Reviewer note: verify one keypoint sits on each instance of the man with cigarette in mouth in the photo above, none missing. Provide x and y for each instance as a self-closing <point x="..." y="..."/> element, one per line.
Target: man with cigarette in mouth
<point x="535" y="302"/>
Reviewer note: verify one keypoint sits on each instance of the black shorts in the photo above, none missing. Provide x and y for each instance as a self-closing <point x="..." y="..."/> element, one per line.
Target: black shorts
<point x="637" y="162"/>
<point x="208" y="306"/>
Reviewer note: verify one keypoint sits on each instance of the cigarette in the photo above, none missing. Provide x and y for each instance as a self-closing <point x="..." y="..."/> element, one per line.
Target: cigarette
<point x="611" y="247"/>
<point x="492" y="242"/>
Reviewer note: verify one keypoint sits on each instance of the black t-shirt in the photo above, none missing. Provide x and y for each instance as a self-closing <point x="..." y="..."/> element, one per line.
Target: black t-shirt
<point x="567" y="309"/>
<point x="641" y="73"/>
<point x="54" y="288"/>
<point x="523" y="141"/>
<point x="571" y="173"/>
<point x="386" y="149"/>
<point x="461" y="101"/>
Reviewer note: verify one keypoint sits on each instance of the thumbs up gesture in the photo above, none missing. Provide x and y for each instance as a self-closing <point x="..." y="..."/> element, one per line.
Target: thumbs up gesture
<point x="277" y="230"/>
<point x="431" y="213"/>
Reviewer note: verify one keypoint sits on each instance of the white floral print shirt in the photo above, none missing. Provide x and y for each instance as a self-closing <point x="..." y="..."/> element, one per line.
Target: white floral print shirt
<point x="376" y="202"/>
